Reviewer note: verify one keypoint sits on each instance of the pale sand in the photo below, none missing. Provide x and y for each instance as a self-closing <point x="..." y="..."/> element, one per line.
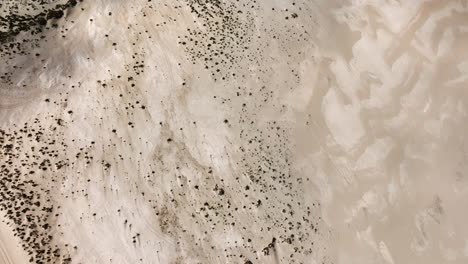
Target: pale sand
<point x="11" y="251"/>
<point x="352" y="136"/>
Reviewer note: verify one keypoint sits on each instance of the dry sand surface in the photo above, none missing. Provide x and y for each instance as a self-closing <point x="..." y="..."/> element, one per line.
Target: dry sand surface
<point x="234" y="131"/>
<point x="11" y="251"/>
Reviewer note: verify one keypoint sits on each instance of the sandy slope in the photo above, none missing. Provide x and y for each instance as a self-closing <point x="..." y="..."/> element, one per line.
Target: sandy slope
<point x="11" y="251"/>
<point x="237" y="132"/>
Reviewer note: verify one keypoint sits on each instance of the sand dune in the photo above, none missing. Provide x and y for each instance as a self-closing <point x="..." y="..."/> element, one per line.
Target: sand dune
<point x="186" y="131"/>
